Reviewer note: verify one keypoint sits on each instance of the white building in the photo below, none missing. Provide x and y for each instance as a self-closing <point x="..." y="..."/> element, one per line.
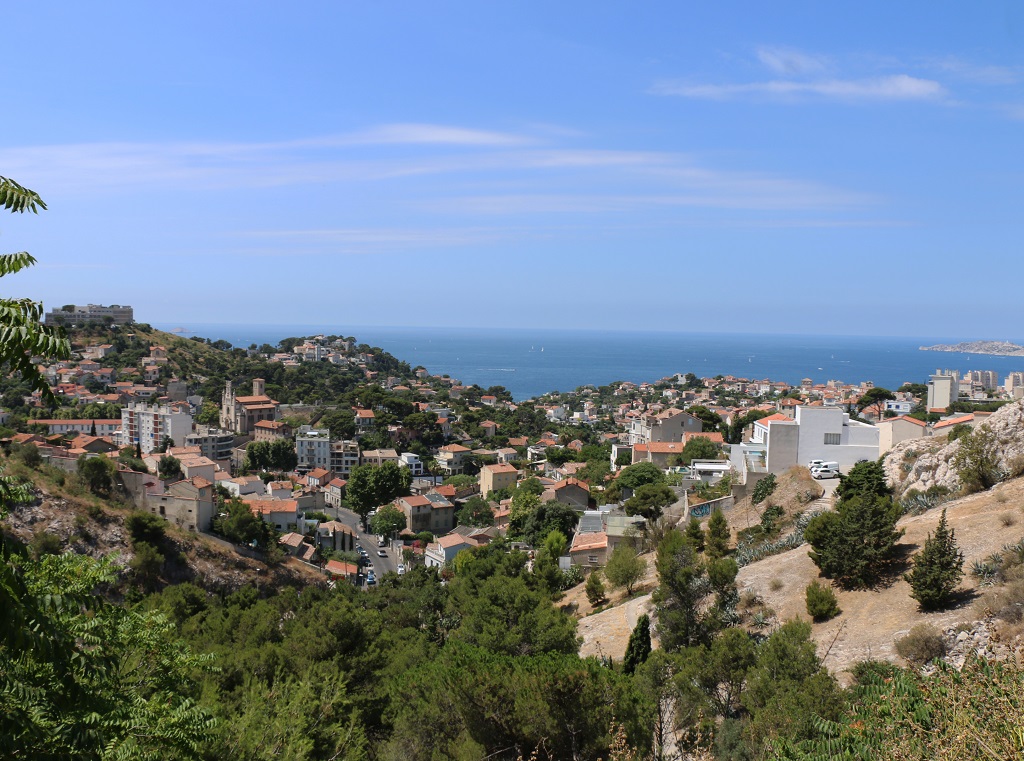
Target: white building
<point x="816" y="433"/>
<point x="412" y="462"/>
<point x="151" y="426"/>
<point x="313" y="448"/>
<point x="215" y="443"/>
<point x="344" y="457"/>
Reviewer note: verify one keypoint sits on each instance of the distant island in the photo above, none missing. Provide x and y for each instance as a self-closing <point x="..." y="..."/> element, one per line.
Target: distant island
<point x="1000" y="348"/>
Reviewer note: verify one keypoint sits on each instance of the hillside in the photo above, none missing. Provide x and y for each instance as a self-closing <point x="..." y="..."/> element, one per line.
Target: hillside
<point x="871" y="620"/>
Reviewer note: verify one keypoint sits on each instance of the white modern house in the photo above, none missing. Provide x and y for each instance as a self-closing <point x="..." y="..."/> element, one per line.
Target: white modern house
<point x="815" y="433"/>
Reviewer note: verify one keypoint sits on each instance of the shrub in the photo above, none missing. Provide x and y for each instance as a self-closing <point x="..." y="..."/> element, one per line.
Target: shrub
<point x="1008" y="519"/>
<point x="922" y="644"/>
<point x="976" y="460"/>
<point x="625" y="568"/>
<point x="45" y="543"/>
<point x="821" y="602"/>
<point x="146" y="527"/>
<point x="775" y="584"/>
<point x="763" y="489"/>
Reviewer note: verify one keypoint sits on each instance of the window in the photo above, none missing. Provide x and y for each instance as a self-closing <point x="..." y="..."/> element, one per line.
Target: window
<point x="592" y="559"/>
<point x="832" y="438"/>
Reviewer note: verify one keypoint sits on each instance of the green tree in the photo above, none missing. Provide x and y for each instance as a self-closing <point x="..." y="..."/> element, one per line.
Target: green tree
<point x="635" y="476"/>
<point x="649" y="501"/>
<point x="938" y="568"/>
<point x="595" y="588"/>
<point x="695" y="534"/>
<point x="239" y="524"/>
<point x="625" y="568"/>
<point x="81" y="677"/>
<point x="476" y="512"/>
<point x="22" y="336"/>
<point x="865" y="479"/>
<point x="976" y="460"/>
<point x="209" y="414"/>
<point x="875" y="399"/>
<point x="639" y="647"/>
<point x="718" y="535"/>
<point x="97" y="473"/>
<point x="555" y="544"/>
<point x="387" y="521"/>
<point x="685" y="619"/>
<point x="710" y="420"/>
<point x="854" y="544"/>
<point x="169" y="468"/>
<point x="699" y="448"/>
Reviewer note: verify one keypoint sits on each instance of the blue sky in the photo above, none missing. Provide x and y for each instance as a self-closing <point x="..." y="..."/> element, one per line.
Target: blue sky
<point x="789" y="167"/>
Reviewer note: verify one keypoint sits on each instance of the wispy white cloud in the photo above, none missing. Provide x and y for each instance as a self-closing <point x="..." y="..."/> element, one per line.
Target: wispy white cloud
<point x="984" y="74"/>
<point x="789" y="61"/>
<point x="897" y="87"/>
<point x="430" y="134"/>
<point x="494" y="175"/>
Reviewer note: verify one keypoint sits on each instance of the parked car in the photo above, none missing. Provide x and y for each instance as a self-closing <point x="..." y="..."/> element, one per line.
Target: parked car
<point x="371" y="580"/>
<point x="401" y="568"/>
<point x="381" y="554"/>
<point x="823" y="472"/>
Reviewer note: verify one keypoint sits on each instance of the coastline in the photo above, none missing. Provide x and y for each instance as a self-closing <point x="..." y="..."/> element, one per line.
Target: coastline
<point x="571" y="358"/>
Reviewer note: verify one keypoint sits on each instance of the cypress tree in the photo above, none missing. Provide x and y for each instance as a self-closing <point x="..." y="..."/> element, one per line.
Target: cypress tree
<point x="938" y="568"/>
<point x="718" y="536"/>
<point x="695" y="535"/>
<point x="595" y="588"/>
<point x="639" y="646"/>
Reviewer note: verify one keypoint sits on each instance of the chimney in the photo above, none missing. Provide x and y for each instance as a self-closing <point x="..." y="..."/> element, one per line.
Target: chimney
<point x="257" y="387"/>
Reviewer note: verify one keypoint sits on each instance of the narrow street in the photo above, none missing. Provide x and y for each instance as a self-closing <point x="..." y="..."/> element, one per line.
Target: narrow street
<point x="367" y="541"/>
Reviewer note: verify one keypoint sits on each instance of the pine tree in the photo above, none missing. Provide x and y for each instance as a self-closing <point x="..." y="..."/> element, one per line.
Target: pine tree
<point x="639" y="647"/>
<point x="938" y="568"/>
<point x="695" y="535"/>
<point x="718" y="536"/>
<point x="595" y="588"/>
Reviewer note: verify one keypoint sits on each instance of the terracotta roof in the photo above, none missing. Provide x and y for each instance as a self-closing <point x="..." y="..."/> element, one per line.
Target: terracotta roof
<point x="338" y="483"/>
<point x="499" y="469"/>
<point x="291" y="539"/>
<point x="777" y="416"/>
<point x="337" y="568"/>
<point x="596" y="540"/>
<point x="271" y="424"/>
<point x="714" y="436"/>
<point x="452" y="540"/>
<point x="318" y="473"/>
<point x="454" y="448"/>
<point x="268" y="506"/>
<point x="660" y="447"/>
<point x="200" y="483"/>
<point x="953" y="421"/>
<point x="906" y="418"/>
<point x="571" y="482"/>
<point x="416" y="500"/>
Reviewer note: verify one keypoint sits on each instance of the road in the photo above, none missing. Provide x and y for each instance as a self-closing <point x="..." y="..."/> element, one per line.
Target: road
<point x="367" y="541"/>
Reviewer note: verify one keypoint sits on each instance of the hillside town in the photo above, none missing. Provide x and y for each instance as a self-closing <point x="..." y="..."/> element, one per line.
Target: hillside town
<point x="464" y="453"/>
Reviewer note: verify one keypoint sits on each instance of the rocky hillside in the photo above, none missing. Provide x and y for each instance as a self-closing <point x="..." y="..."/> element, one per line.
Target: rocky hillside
<point x="922" y="464"/>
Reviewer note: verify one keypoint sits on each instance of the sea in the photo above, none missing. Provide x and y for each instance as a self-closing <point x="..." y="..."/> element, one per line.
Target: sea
<point x="531" y="362"/>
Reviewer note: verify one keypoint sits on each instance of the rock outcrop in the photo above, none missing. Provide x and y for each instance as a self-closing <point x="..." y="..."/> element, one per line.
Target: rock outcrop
<point x="923" y="463"/>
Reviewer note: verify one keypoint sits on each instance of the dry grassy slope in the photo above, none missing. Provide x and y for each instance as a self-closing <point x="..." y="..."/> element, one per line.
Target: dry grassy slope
<point x="871" y="620"/>
<point x="794" y="491"/>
